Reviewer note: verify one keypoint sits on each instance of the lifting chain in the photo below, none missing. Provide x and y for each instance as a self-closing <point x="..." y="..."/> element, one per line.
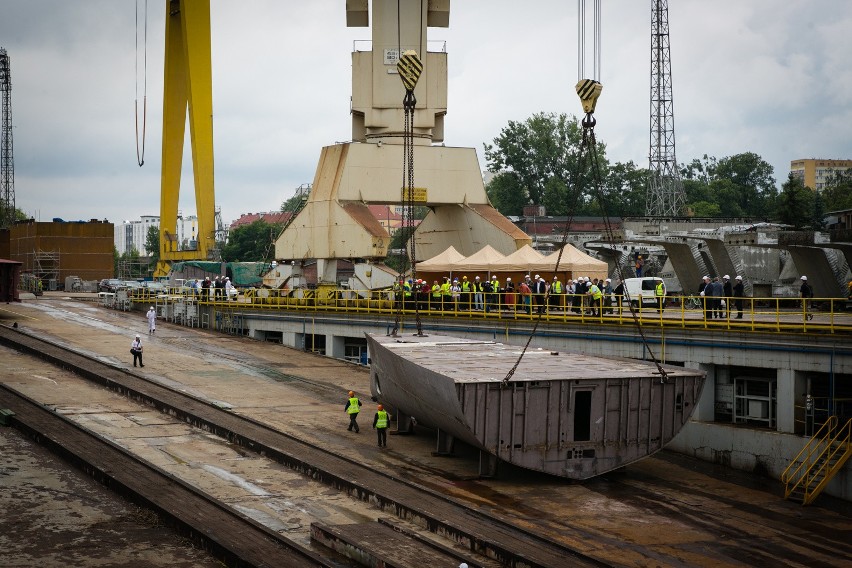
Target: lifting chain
<point x="409" y="68"/>
<point x="589" y="91"/>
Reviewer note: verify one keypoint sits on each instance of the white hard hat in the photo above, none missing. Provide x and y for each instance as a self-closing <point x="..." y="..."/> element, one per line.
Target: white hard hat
<point x="804" y="277"/>
<point x="706" y="277"/>
<point x="151" y="308"/>
<point x="508" y="279"/>
<point x="463" y="565"/>
<point x="739" y="278"/>
<point x="137" y="336"/>
<point x="607" y="280"/>
<point x="493" y="278"/>
<point x="726" y="277"/>
<point x="537" y="276"/>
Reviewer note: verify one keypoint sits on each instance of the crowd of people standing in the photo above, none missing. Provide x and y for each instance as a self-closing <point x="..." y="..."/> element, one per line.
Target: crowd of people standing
<point x="530" y="294"/>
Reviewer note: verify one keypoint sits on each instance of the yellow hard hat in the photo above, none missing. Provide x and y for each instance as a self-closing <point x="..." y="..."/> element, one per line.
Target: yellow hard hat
<point x="351" y="393"/>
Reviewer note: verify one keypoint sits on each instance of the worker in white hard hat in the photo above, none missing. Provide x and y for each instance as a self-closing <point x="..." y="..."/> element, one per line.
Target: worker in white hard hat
<point x="136" y="350"/>
<point x="152" y="320"/>
<point x="492" y="294"/>
<point x="607" y="290"/>
<point x="727" y="295"/>
<point x="702" y="291"/>
<point x="806" y="292"/>
<point x="739" y="293"/>
<point x="509" y="298"/>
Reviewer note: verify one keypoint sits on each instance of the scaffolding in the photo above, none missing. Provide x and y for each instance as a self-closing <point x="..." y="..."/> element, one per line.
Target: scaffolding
<point x="131" y="269"/>
<point x="46" y="268"/>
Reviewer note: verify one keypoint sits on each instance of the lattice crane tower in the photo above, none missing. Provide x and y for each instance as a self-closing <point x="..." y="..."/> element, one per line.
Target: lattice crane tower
<point x="7" y="162"/>
<point x="666" y="197"/>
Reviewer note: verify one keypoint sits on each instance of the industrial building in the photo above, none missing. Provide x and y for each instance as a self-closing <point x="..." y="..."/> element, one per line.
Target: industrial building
<point x="52" y="251"/>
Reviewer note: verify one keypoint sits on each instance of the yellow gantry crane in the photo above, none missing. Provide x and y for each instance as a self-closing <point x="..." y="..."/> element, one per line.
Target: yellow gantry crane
<point x="188" y="85"/>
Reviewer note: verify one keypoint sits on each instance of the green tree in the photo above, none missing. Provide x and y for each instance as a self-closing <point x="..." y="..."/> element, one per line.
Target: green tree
<point x="700" y="170"/>
<point x="251" y="243"/>
<point x="152" y="243"/>
<point x="837" y="193"/>
<point x="818" y="216"/>
<point x="295" y="203"/>
<point x="755" y="187"/>
<point x="399" y="244"/>
<point x="506" y="193"/>
<point x="741" y="185"/>
<point x="17" y="215"/>
<point x="625" y="188"/>
<point x="795" y="204"/>
<point x="705" y="209"/>
<point x="538" y="159"/>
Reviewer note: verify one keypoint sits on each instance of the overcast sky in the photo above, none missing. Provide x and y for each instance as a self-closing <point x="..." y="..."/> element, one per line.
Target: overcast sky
<point x="760" y="76"/>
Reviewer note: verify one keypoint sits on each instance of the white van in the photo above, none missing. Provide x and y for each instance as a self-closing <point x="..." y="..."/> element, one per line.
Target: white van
<point x="643" y="290"/>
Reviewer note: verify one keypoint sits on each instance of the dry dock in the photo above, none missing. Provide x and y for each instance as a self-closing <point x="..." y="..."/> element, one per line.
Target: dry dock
<point x="664" y="511"/>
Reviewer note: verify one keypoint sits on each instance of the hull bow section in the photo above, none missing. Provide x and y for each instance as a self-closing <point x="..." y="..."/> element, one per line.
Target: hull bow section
<point x="563" y="413"/>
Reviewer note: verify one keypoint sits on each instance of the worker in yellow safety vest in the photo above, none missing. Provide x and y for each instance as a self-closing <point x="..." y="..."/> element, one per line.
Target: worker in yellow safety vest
<point x="660" y="292"/>
<point x="556" y="293"/>
<point x="436" y="296"/>
<point x="597" y="298"/>
<point x="353" y="407"/>
<point x="380" y="423"/>
<point x="445" y="292"/>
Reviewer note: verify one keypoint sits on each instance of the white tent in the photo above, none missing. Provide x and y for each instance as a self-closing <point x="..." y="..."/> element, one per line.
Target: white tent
<point x="481" y="261"/>
<point x="443" y="262"/>
<point x="522" y="260"/>
<point x="575" y="261"/>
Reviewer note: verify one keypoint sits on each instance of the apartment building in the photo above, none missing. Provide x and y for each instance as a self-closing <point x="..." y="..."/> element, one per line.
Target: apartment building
<point x="815" y="172"/>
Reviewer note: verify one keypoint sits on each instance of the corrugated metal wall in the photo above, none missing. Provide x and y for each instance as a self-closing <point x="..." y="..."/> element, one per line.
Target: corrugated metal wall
<point x="84" y="249"/>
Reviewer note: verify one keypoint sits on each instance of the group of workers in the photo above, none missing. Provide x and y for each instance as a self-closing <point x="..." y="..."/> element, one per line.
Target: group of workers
<point x="220" y="288"/>
<point x="584" y="294"/>
<point x="714" y="291"/>
<point x="381" y="420"/>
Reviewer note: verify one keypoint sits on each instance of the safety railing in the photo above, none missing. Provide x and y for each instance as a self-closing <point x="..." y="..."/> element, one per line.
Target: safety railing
<point x="814" y="466"/>
<point x="830" y="315"/>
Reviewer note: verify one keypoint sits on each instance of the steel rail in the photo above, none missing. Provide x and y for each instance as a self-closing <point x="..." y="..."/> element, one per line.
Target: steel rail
<point x="230" y="536"/>
<point x="483" y="532"/>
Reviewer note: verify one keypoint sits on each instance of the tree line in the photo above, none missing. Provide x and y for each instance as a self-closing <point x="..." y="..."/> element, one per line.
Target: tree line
<point x="537" y="162"/>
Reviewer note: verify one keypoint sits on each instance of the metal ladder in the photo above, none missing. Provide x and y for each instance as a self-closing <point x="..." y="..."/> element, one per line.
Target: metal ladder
<point x="818" y="462"/>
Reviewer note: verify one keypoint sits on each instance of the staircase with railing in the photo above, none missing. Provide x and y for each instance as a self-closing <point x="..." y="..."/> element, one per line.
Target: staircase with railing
<point x="818" y="462"/>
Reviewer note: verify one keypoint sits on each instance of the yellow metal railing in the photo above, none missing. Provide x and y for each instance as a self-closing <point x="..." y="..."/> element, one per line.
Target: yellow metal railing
<point x="758" y="314"/>
<point x="824" y="454"/>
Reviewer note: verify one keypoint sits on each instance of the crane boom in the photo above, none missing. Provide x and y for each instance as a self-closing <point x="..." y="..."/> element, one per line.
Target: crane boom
<point x="188" y="85"/>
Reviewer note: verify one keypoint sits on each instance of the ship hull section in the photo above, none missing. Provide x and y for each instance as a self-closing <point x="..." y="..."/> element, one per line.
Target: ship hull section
<point x="566" y="414"/>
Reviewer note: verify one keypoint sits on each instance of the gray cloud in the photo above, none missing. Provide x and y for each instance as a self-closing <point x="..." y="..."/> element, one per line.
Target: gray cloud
<point x="762" y="76"/>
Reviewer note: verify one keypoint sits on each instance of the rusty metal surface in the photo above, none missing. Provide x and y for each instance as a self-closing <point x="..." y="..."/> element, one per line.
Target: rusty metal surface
<point x="216" y="527"/>
<point x="566" y="414"/>
<point x="85" y="249"/>
<point x="55" y="516"/>
<point x="667" y="510"/>
<point x="494" y="537"/>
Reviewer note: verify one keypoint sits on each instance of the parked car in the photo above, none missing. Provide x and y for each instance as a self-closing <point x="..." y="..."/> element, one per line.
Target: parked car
<point x="109" y="285"/>
<point x="154" y="287"/>
<point x="644" y="288"/>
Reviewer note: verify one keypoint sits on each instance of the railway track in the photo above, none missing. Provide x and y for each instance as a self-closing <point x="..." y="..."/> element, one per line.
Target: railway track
<point x="483" y="534"/>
